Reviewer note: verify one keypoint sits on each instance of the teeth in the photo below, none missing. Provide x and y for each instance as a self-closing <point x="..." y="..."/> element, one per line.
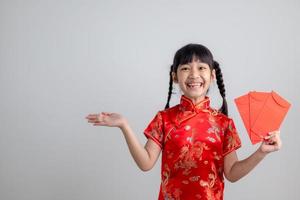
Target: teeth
<point x="194" y="84"/>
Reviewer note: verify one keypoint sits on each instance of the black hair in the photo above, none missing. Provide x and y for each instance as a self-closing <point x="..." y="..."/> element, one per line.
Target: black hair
<point x="186" y="55"/>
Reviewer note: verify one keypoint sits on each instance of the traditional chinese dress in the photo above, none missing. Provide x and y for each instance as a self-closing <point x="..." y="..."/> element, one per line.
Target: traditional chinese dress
<point x="194" y="140"/>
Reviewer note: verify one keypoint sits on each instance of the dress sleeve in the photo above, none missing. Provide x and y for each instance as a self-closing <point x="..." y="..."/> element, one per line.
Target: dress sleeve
<point x="154" y="130"/>
<point x="231" y="139"/>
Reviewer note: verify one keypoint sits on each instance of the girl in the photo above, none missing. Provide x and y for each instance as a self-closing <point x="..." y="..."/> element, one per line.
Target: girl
<point x="197" y="142"/>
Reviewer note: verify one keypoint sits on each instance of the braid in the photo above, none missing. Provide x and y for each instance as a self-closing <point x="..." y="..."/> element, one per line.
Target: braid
<point x="170" y="88"/>
<point x="221" y="86"/>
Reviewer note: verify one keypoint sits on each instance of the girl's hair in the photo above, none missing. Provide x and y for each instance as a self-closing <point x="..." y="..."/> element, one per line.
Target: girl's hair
<point x="197" y="51"/>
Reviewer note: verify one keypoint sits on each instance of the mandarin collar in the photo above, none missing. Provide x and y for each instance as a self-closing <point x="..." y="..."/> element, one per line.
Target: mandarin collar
<point x="188" y="105"/>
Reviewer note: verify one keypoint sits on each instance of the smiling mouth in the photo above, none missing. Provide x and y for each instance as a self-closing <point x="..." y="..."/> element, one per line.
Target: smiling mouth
<point x="194" y="85"/>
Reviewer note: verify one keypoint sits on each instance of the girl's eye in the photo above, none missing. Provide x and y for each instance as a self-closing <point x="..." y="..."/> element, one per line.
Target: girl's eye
<point x="184" y="68"/>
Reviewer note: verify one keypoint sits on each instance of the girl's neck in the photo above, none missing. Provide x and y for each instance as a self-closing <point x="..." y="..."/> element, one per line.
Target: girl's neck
<point x="196" y="100"/>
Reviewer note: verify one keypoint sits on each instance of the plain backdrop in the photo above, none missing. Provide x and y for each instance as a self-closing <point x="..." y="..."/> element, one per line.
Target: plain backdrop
<point x="62" y="60"/>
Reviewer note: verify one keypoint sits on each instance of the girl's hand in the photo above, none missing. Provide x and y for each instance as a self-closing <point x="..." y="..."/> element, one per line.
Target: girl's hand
<point x="106" y="119"/>
<point x="271" y="143"/>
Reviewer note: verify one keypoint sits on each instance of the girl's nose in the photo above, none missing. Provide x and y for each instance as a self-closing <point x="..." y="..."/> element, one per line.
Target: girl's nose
<point x="194" y="73"/>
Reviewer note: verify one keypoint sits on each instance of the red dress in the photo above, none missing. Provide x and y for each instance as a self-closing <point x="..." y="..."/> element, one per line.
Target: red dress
<point x="194" y="140"/>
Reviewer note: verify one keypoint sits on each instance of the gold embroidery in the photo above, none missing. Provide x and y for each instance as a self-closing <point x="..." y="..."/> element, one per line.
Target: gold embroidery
<point x="192" y="161"/>
<point x="187" y="154"/>
<point x="194" y="178"/>
<point x="209" y="184"/>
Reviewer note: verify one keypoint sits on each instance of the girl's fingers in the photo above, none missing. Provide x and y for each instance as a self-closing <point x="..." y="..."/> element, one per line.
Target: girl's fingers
<point x="98" y="124"/>
<point x="106" y="113"/>
<point x="274" y="141"/>
<point x="270" y="141"/>
<point x="272" y="134"/>
<point x="91" y="116"/>
<point x="100" y="119"/>
<point x="94" y="116"/>
<point x="269" y="137"/>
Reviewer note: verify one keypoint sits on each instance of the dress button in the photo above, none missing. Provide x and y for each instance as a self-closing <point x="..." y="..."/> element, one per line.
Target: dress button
<point x="187" y="127"/>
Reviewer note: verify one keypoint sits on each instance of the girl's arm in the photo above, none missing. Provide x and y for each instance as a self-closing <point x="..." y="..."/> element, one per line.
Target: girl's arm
<point x="235" y="169"/>
<point x="145" y="157"/>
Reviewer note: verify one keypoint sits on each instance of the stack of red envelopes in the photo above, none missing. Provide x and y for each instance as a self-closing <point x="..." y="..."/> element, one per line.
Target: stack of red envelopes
<point x="261" y="112"/>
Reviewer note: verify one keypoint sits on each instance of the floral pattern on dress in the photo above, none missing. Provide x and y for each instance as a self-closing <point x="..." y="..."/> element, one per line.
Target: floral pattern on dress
<point x="194" y="140"/>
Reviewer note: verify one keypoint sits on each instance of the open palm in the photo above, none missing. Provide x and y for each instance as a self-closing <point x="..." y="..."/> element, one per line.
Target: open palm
<point x="106" y="119"/>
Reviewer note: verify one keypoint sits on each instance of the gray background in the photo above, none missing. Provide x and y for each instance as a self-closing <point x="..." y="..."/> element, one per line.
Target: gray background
<point x="61" y="60"/>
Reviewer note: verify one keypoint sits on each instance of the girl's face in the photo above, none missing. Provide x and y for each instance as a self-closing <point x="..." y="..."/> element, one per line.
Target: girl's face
<point x="194" y="79"/>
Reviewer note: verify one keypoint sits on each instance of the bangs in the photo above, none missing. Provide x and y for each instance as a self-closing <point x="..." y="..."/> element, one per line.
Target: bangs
<point x="193" y="52"/>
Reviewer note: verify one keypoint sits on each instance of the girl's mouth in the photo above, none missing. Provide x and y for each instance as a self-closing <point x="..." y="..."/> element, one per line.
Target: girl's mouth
<point x="194" y="85"/>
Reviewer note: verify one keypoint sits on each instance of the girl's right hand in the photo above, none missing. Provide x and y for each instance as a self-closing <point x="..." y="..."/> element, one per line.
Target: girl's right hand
<point x="106" y="119"/>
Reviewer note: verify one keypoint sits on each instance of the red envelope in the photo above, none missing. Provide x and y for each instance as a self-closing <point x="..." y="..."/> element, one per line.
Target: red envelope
<point x="242" y="103"/>
<point x="271" y="115"/>
<point x="257" y="101"/>
<point x="244" y="109"/>
<point x="261" y="113"/>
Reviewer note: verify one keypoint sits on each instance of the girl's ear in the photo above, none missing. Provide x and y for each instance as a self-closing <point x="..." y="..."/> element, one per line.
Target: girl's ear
<point x="213" y="75"/>
<point x="174" y="77"/>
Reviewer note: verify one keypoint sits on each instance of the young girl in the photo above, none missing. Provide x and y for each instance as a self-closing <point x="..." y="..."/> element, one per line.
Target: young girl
<point x="197" y="142"/>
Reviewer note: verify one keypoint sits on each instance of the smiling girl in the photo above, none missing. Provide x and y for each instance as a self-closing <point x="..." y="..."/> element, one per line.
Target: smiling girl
<point x="198" y="143"/>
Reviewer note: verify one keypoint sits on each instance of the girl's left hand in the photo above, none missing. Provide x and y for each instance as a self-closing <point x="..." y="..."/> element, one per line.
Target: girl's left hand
<point x="271" y="143"/>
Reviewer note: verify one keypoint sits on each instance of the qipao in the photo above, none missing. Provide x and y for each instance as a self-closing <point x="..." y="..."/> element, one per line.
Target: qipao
<point x="194" y="140"/>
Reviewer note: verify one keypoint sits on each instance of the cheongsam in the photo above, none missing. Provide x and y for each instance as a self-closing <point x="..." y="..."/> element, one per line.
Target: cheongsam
<point x="194" y="140"/>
